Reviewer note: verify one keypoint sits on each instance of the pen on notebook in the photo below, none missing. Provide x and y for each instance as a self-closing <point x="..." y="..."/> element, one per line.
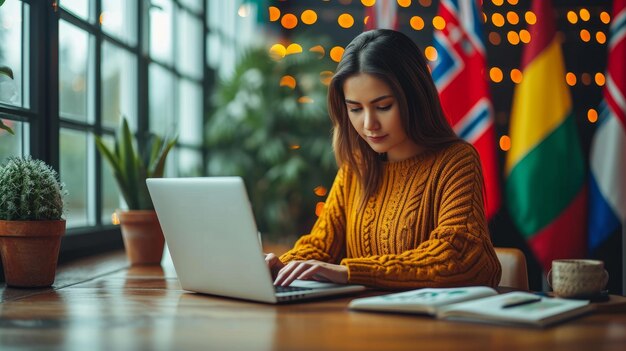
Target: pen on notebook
<point x="522" y="302"/>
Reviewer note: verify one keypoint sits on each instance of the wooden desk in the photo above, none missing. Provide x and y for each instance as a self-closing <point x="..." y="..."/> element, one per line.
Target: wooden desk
<point x="112" y="307"/>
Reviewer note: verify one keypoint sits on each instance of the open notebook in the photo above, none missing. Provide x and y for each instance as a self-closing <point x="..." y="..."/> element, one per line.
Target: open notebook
<point x="213" y="241"/>
<point x="477" y="304"/>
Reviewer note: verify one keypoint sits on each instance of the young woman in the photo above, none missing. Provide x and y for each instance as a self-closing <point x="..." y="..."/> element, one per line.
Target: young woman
<point x="406" y="207"/>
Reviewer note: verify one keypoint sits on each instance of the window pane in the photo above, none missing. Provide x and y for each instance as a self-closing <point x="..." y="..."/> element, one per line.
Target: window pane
<point x="189" y="51"/>
<point x="161" y="15"/>
<point x="74" y="174"/>
<point x="78" y="7"/>
<point x="14" y="145"/>
<point x="161" y="101"/>
<point x="11" y="52"/>
<point x="110" y="191"/>
<point x="119" y="19"/>
<point x="189" y="163"/>
<point x="190" y="113"/>
<point x="75" y="56"/>
<point x="119" y="86"/>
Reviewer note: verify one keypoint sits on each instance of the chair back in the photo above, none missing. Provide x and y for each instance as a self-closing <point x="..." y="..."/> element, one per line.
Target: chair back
<point x="514" y="271"/>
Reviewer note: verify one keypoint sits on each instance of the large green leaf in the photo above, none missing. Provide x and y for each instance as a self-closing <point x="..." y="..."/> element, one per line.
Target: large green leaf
<point x="5" y="127"/>
<point x="6" y="71"/>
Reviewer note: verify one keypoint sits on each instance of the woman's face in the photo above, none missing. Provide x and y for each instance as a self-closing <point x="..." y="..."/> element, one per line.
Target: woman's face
<point x="375" y="115"/>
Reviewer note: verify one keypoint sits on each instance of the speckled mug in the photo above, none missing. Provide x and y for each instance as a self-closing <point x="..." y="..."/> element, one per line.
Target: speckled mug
<point x="575" y="278"/>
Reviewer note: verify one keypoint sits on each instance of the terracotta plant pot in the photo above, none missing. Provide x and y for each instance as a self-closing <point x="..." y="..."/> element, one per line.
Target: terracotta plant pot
<point x="143" y="237"/>
<point x="30" y="250"/>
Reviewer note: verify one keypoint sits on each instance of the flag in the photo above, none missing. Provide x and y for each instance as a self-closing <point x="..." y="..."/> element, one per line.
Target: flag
<point x="383" y="14"/>
<point x="545" y="183"/>
<point x="607" y="186"/>
<point x="459" y="73"/>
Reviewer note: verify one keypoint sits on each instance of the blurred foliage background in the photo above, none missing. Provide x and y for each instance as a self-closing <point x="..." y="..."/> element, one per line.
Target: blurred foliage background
<point x="268" y="123"/>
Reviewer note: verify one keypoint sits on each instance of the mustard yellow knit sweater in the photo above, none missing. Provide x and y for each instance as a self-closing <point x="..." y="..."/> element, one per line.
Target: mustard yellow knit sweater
<point x="425" y="227"/>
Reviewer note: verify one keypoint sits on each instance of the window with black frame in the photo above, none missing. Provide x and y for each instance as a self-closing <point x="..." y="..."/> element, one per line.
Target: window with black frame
<point x="79" y="66"/>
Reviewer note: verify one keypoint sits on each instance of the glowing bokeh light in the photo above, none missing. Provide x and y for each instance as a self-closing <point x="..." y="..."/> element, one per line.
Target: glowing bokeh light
<point x="592" y="115"/>
<point x="497" y="19"/>
<point x="319" y="208"/>
<point x="278" y="51"/>
<point x="605" y="17"/>
<point x="305" y="100"/>
<point x="293" y="49"/>
<point x="417" y="23"/>
<point x="585" y="78"/>
<point x="288" y="81"/>
<point x="320" y="190"/>
<point x="431" y="53"/>
<point x="345" y="20"/>
<point x="513" y="2"/>
<point x="368" y="3"/>
<point x="439" y="23"/>
<point x="326" y="77"/>
<point x="570" y="79"/>
<point x="404" y="3"/>
<point x="585" y="35"/>
<point x="516" y="76"/>
<point x="497" y="2"/>
<point x="308" y="17"/>
<point x="524" y="36"/>
<point x="318" y="49"/>
<point x="289" y="21"/>
<point x="600" y="79"/>
<point x="512" y="17"/>
<point x="274" y="13"/>
<point x="530" y="17"/>
<point x="495" y="74"/>
<point x="244" y="10"/>
<point x="336" y="53"/>
<point x="494" y="38"/>
<point x="572" y="17"/>
<point x="505" y="143"/>
<point x="425" y="3"/>
<point x="584" y="15"/>
<point x="513" y="37"/>
<point x="600" y="37"/>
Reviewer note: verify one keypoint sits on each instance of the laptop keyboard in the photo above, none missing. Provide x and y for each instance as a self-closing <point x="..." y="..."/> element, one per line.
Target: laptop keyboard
<point x="283" y="289"/>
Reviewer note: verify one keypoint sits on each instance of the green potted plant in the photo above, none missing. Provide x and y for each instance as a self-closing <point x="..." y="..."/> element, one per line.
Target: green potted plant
<point x="141" y="231"/>
<point x="31" y="223"/>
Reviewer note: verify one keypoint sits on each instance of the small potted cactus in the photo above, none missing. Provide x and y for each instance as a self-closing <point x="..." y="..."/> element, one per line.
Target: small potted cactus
<point x="31" y="223"/>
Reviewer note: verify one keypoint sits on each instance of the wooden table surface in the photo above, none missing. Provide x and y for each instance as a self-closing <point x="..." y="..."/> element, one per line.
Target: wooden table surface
<point x="104" y="305"/>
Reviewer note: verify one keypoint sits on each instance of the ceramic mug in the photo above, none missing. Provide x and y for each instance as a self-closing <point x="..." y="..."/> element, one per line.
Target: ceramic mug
<point x="575" y="278"/>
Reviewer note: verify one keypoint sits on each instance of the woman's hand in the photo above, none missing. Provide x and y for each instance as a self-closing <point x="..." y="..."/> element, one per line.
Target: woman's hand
<point x="311" y="270"/>
<point x="274" y="264"/>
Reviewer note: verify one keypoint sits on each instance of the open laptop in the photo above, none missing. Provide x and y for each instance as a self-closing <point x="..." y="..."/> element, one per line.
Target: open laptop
<point x="213" y="240"/>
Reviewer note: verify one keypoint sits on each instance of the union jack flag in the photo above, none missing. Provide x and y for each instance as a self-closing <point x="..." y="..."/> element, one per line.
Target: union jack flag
<point x="460" y="75"/>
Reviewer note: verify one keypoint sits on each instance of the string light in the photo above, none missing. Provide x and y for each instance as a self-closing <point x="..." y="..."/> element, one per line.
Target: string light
<point x="495" y="74"/>
<point x="505" y="143"/>
<point x="274" y="13"/>
<point x="431" y="53"/>
<point x="308" y="17"/>
<point x="345" y="20"/>
<point x="570" y="79"/>
<point x="592" y="115"/>
<point x="417" y="23"/>
<point x="289" y="21"/>
<point x="497" y="19"/>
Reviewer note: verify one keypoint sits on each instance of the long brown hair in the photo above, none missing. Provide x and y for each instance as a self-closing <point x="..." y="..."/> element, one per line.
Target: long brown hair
<point x="394" y="58"/>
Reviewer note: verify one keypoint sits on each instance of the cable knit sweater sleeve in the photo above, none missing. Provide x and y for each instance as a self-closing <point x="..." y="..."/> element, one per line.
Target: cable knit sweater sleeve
<point x="457" y="251"/>
<point x="326" y="242"/>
